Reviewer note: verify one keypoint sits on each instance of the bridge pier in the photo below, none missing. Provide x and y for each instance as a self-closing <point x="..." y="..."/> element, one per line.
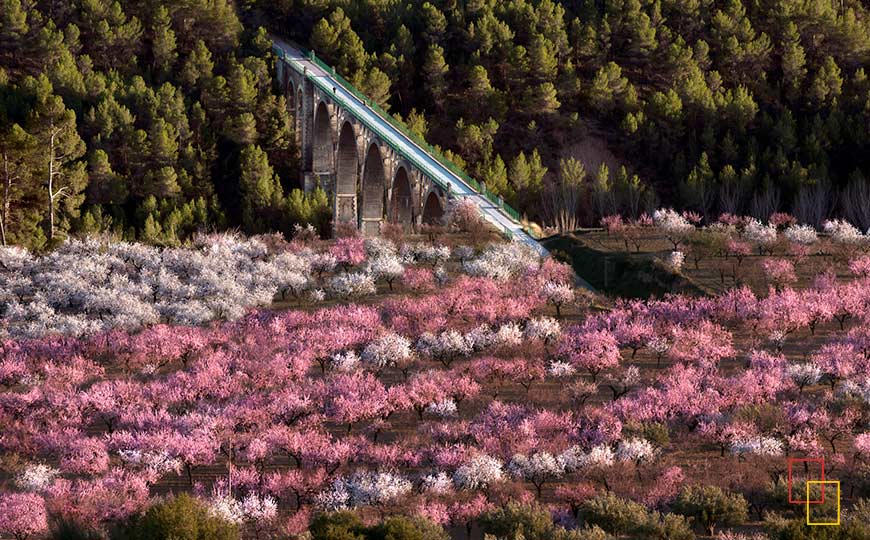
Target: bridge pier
<point x="305" y="121"/>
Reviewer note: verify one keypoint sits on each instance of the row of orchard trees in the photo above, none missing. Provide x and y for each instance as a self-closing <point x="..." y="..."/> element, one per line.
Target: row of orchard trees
<point x="738" y="237"/>
<point x="89" y="286"/>
<point x="680" y="227"/>
<point x="447" y="404"/>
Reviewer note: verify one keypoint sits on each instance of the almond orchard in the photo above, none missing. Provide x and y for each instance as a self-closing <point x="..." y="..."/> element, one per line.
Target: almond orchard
<point x="432" y="385"/>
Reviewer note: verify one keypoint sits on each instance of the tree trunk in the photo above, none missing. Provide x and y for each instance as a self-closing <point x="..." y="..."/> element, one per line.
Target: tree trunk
<point x="7" y="188"/>
<point x="51" y="194"/>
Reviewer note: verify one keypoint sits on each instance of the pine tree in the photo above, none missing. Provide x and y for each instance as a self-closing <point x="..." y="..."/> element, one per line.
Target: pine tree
<point x="104" y="185"/>
<point x="67" y="80"/>
<point x="313" y="208"/>
<point x="793" y="60"/>
<point x="542" y="59"/>
<point x="197" y="66"/>
<point x="572" y="172"/>
<point x="496" y="178"/>
<point x="241" y="129"/>
<point x="740" y="107"/>
<point x="276" y="135"/>
<point x="417" y="123"/>
<point x="163" y="139"/>
<point x="520" y="173"/>
<point x="163" y="47"/>
<point x="334" y="40"/>
<point x="479" y="87"/>
<point x="542" y="99"/>
<point x="375" y="84"/>
<point x="324" y="39"/>
<point x="60" y="148"/>
<point x="162" y="182"/>
<point x="699" y="190"/>
<point x="435" y="70"/>
<point x="603" y="192"/>
<point x="16" y="152"/>
<point x="828" y="82"/>
<point x="241" y="89"/>
<point x="537" y="170"/>
<point x="607" y="86"/>
<point x="13" y="29"/>
<point x="404" y="51"/>
<point x="260" y="189"/>
<point x="527" y="176"/>
<point x="434" y="23"/>
<point x="151" y="231"/>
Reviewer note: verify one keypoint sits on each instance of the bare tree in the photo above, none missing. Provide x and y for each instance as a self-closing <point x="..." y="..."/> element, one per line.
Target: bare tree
<point x="764" y="203"/>
<point x="855" y="202"/>
<point x="730" y="195"/>
<point x="813" y="203"/>
<point x="562" y="198"/>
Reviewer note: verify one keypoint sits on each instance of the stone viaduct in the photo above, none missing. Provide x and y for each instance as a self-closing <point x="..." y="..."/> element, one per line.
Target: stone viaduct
<point x="373" y="169"/>
<point x="367" y="180"/>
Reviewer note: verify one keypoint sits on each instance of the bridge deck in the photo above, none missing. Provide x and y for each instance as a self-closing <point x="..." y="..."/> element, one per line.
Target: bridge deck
<point x="428" y="165"/>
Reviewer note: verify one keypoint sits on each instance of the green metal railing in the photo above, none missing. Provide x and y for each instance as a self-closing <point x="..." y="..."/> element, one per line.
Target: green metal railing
<point x="402" y="128"/>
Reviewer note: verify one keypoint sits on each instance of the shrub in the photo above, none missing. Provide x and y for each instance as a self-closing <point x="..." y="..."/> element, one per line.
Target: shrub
<point x="404" y="528"/>
<point x="657" y="433"/>
<point x="667" y="527"/>
<point x="64" y="529"/>
<point x="346" y="525"/>
<point x="614" y="514"/>
<point x="531" y="521"/>
<point x="588" y="533"/>
<point x="179" y="518"/>
<point x="518" y="521"/>
<point x="337" y="526"/>
<point x="768" y="497"/>
<point x="855" y="526"/>
<point x="711" y="506"/>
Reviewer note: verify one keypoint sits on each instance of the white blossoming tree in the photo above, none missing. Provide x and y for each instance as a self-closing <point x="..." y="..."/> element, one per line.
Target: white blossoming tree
<point x="478" y="473"/>
<point x="803" y="375"/>
<point x="538" y="468"/>
<point x="674" y="226"/>
<point x="557" y="295"/>
<point x="801" y="234"/>
<point x="389" y="350"/>
<point x="364" y="488"/>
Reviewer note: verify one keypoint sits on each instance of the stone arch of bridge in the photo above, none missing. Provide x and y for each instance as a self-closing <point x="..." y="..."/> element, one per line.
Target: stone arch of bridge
<point x="322" y="142"/>
<point x="401" y="201"/>
<point x="433" y="210"/>
<point x="346" y="172"/>
<point x="373" y="182"/>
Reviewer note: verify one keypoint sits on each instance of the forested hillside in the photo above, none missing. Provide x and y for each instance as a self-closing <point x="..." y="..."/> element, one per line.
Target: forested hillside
<point x="150" y="119"/>
<point x="154" y="119"/>
<point x="717" y="106"/>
